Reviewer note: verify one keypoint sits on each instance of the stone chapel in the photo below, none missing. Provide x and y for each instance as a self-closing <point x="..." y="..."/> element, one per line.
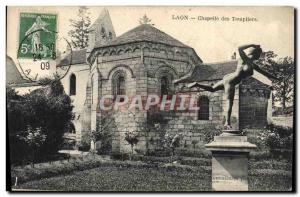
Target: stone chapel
<point x="145" y="61"/>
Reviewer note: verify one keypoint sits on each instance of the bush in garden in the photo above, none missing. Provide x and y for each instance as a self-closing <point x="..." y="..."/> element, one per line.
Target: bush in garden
<point x="132" y="139"/>
<point x="85" y="143"/>
<point x="209" y="131"/>
<point x="51" y="109"/>
<point x="15" y="124"/>
<point x="34" y="138"/>
<point x="171" y="142"/>
<point x="68" y="144"/>
<point x="48" y="109"/>
<point x="103" y="133"/>
<point x="279" y="140"/>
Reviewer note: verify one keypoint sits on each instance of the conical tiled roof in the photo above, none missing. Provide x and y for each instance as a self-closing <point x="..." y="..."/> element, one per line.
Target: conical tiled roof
<point x="147" y="33"/>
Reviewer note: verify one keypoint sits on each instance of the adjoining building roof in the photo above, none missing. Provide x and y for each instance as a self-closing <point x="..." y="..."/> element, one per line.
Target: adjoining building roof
<point x="13" y="76"/>
<point x="145" y="32"/>
<point x="78" y="57"/>
<point x="208" y="72"/>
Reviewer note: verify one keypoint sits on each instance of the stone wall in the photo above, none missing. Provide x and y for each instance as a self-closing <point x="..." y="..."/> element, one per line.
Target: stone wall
<point x="143" y="66"/>
<point x="142" y="69"/>
<point x="254" y="101"/>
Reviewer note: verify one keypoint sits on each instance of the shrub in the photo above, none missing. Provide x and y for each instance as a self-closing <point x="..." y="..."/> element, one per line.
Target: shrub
<point x="279" y="141"/>
<point x="171" y="142"/>
<point x="34" y="139"/>
<point x="132" y="139"/>
<point x="208" y="131"/>
<point x="85" y="143"/>
<point x="68" y="144"/>
<point x="48" y="109"/>
<point x="103" y="133"/>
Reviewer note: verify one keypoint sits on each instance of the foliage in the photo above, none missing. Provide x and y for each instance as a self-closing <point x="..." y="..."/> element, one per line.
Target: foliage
<point x="85" y="143"/>
<point x="284" y="69"/>
<point x="104" y="132"/>
<point x="132" y="139"/>
<point x="209" y="131"/>
<point x="171" y="142"/>
<point x="43" y="112"/>
<point x="11" y="94"/>
<point x="68" y="144"/>
<point x="34" y="139"/>
<point x="145" y="21"/>
<point x="15" y="124"/>
<point x="80" y="25"/>
<point x="279" y="141"/>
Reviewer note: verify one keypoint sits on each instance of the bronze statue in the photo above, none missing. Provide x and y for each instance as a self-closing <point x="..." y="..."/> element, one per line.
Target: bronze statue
<point x="244" y="70"/>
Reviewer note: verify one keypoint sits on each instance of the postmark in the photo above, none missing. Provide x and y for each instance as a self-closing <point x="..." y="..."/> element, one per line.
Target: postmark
<point x="42" y="51"/>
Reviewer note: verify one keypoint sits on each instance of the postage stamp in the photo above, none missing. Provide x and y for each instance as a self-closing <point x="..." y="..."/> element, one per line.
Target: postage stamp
<point x="42" y="51"/>
<point x="37" y="36"/>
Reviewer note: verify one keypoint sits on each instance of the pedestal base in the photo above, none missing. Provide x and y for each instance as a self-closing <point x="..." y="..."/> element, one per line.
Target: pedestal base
<point x="230" y="162"/>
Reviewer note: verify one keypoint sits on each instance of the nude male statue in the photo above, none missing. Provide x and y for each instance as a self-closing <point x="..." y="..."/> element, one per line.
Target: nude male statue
<point x="244" y="69"/>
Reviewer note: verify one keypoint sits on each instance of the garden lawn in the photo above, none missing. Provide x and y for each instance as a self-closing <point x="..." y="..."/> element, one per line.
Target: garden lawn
<point x="163" y="178"/>
<point x="120" y="178"/>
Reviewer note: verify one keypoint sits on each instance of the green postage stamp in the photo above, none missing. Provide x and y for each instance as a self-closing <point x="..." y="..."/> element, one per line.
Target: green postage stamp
<point x="37" y="36"/>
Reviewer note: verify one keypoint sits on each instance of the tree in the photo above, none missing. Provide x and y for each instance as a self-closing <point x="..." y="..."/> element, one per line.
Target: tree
<point x="283" y="68"/>
<point x="285" y="87"/>
<point x="80" y="25"/>
<point x="34" y="138"/>
<point x="103" y="133"/>
<point x="44" y="112"/>
<point x="171" y="142"/>
<point x="51" y="109"/>
<point x="15" y="124"/>
<point x="145" y="21"/>
<point x="132" y="139"/>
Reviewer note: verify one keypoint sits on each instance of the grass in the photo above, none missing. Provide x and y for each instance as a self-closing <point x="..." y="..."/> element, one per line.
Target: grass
<point x="121" y="178"/>
<point x="110" y="175"/>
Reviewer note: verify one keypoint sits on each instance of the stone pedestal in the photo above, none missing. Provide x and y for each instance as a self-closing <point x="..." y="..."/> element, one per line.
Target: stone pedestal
<point x="230" y="153"/>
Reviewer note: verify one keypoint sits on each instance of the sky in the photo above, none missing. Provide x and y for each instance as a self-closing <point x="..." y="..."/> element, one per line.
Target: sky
<point x="213" y="40"/>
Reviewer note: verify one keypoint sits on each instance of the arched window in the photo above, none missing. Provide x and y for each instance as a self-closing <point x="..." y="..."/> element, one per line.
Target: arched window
<point x="121" y="86"/>
<point x="164" y="86"/>
<point x="73" y="85"/>
<point x="203" y="104"/>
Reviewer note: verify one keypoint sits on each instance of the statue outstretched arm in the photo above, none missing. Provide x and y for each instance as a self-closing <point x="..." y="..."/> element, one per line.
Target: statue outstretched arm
<point x="242" y="53"/>
<point x="265" y="73"/>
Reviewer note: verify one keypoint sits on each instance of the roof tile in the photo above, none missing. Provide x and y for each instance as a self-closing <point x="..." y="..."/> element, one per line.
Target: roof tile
<point x="207" y="72"/>
<point x="144" y="32"/>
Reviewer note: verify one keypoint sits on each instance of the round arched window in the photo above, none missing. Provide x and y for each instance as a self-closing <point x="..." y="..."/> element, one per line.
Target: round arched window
<point x="73" y="85"/>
